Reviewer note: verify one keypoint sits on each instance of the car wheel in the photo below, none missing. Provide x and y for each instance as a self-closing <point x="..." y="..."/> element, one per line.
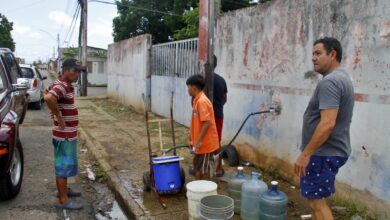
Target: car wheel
<point x="11" y="182"/>
<point x="182" y="177"/>
<point x="37" y="105"/>
<point x="231" y="154"/>
<point x="146" y="181"/>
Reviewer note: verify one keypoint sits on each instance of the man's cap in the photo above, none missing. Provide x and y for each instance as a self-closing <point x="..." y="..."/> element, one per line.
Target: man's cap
<point x="73" y="63"/>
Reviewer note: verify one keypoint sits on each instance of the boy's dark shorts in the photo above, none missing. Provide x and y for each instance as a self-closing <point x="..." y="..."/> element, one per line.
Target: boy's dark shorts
<point x="320" y="176"/>
<point x="204" y="162"/>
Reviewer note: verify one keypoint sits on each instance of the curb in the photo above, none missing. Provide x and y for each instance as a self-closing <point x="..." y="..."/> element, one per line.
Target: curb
<point x="130" y="207"/>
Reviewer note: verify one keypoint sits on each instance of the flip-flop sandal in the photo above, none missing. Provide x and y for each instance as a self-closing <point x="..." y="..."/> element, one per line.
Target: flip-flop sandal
<point x="70" y="205"/>
<point x="73" y="193"/>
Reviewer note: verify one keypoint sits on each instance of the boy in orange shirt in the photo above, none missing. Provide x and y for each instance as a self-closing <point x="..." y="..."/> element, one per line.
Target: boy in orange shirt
<point x="203" y="130"/>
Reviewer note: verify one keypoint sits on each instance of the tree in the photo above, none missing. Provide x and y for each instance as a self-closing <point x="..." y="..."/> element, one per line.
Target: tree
<point x="160" y="18"/>
<point x="5" y="33"/>
<point x="191" y="18"/>
<point x="230" y="5"/>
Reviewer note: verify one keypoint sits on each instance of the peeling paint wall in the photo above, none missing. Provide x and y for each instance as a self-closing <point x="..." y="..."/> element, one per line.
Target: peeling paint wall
<point x="129" y="70"/>
<point x="264" y="53"/>
<point x="162" y="87"/>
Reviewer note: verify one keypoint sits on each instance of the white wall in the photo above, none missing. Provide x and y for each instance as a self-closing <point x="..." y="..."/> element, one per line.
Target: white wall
<point x="97" y="78"/>
<point x="264" y="53"/>
<point x="162" y="86"/>
<point x="129" y="70"/>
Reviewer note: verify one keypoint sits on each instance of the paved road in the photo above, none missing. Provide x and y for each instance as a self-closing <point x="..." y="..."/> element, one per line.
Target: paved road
<point x="38" y="195"/>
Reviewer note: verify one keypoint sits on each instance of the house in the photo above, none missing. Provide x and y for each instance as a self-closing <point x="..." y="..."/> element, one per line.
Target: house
<point x="52" y="65"/>
<point x="96" y="63"/>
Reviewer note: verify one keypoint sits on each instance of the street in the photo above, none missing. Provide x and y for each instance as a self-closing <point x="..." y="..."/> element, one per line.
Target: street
<point x="39" y="194"/>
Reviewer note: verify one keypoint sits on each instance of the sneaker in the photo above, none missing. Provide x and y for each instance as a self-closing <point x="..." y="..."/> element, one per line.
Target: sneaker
<point x="70" y="205"/>
<point x="73" y="193"/>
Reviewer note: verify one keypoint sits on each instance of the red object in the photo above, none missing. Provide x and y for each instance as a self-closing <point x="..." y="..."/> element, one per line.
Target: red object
<point x="219" y="123"/>
<point x="203" y="43"/>
<point x="3" y="151"/>
<point x="35" y="84"/>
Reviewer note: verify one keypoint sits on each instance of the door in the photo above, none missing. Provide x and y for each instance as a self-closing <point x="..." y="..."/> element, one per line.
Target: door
<point x="13" y="74"/>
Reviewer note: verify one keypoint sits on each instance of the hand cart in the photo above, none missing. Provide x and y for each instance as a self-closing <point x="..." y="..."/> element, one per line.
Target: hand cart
<point x="165" y="176"/>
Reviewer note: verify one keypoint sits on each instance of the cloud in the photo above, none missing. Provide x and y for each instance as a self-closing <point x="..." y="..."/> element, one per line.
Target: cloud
<point x="35" y="35"/>
<point x="60" y="17"/>
<point x="102" y="28"/>
<point x="20" y="29"/>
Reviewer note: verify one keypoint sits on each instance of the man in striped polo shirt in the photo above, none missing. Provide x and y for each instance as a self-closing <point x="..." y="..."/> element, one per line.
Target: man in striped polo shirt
<point x="60" y="100"/>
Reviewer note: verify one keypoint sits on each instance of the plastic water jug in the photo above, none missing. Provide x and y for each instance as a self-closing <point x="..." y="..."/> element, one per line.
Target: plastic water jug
<point x="234" y="189"/>
<point x="250" y="197"/>
<point x="273" y="204"/>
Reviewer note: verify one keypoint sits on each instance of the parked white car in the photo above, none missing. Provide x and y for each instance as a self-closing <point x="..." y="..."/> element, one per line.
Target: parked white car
<point x="36" y="85"/>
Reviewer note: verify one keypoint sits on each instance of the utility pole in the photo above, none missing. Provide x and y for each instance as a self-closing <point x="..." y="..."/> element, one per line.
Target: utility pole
<point x="58" y="54"/>
<point x="84" y="52"/>
<point x="206" y="43"/>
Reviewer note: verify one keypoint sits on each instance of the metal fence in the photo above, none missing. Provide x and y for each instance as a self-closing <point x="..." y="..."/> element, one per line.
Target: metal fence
<point x="179" y="58"/>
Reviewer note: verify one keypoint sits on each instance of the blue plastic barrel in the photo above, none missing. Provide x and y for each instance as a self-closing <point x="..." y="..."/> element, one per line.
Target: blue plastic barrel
<point x="167" y="174"/>
<point x="273" y="204"/>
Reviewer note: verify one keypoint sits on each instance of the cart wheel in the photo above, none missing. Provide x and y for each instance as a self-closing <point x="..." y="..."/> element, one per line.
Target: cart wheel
<point x="191" y="170"/>
<point x="231" y="154"/>
<point x="183" y="176"/>
<point x="146" y="181"/>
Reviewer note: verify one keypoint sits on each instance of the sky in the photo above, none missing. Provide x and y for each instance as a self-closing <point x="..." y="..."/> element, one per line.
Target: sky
<point x="37" y="23"/>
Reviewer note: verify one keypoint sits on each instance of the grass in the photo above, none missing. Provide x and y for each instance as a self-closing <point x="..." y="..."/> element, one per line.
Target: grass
<point x="100" y="173"/>
<point x="353" y="208"/>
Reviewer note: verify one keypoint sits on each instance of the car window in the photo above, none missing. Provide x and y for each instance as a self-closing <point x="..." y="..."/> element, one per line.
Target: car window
<point x="27" y="72"/>
<point x="2" y="75"/>
<point x="12" y="67"/>
<point x="39" y="73"/>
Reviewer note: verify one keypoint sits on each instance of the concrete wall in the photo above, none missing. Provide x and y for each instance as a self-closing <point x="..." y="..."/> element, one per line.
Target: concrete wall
<point x="264" y="53"/>
<point x="97" y="76"/>
<point x="161" y="89"/>
<point x="129" y="70"/>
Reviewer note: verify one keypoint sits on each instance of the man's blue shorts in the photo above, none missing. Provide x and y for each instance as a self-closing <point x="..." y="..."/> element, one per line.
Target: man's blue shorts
<point x="320" y="176"/>
<point x="65" y="158"/>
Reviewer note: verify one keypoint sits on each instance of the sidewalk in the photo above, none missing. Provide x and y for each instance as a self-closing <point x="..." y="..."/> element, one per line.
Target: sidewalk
<point x="116" y="136"/>
<point x="118" y="141"/>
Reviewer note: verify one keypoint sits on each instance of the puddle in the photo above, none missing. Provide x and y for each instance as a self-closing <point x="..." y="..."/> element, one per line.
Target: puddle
<point x="115" y="213"/>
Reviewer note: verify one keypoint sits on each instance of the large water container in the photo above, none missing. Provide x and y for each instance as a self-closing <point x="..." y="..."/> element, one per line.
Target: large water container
<point x="250" y="197"/>
<point x="273" y="204"/>
<point x="234" y="189"/>
<point x="167" y="174"/>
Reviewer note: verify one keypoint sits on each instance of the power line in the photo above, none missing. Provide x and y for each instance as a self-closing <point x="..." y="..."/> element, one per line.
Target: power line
<point x="66" y="11"/>
<point x="25" y="6"/>
<point x="135" y="7"/>
<point x="73" y="24"/>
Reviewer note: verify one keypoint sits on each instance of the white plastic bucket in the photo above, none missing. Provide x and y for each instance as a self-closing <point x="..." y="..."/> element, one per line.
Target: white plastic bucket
<point x="216" y="207"/>
<point x="196" y="190"/>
